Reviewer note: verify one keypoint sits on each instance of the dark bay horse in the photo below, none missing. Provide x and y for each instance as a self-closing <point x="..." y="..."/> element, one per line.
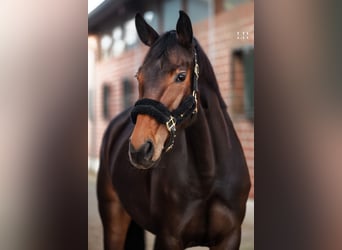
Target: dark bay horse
<point x="173" y="164"/>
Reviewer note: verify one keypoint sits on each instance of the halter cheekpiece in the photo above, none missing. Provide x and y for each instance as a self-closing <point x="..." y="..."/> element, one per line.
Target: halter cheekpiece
<point x="187" y="108"/>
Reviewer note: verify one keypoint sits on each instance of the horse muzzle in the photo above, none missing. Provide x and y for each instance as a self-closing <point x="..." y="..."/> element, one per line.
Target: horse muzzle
<point x="141" y="158"/>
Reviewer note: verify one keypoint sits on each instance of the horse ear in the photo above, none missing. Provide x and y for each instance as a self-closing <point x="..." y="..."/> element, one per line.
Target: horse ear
<point x="146" y="33"/>
<point x="184" y="29"/>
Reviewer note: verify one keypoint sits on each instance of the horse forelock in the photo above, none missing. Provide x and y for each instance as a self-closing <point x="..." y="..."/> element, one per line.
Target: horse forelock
<point x="167" y="52"/>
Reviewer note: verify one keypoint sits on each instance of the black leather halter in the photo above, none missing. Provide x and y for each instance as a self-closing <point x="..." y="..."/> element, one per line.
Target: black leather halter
<point x="171" y="119"/>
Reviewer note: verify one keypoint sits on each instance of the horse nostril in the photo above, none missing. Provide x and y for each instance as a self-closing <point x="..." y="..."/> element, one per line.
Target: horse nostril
<point x="148" y="150"/>
<point x="144" y="153"/>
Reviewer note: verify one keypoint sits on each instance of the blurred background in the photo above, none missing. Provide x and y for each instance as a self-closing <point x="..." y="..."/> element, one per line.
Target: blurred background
<point x="225" y="30"/>
<point x="46" y="200"/>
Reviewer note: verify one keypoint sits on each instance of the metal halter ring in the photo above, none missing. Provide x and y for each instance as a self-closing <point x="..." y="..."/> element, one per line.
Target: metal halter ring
<point x="171" y="124"/>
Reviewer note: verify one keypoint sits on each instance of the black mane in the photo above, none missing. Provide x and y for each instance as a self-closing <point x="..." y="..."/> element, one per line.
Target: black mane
<point x="207" y="75"/>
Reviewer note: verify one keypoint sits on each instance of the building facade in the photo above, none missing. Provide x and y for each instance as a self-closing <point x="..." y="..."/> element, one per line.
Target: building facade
<point x="225" y="30"/>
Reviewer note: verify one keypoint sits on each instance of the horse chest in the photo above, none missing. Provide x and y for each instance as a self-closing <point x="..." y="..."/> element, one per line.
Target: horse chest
<point x="209" y="225"/>
<point x="188" y="213"/>
<point x="199" y="222"/>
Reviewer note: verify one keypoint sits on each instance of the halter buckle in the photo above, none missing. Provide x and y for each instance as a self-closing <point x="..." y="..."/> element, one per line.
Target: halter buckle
<point x="194" y="94"/>
<point x="171" y="127"/>
<point x="196" y="71"/>
<point x="171" y="124"/>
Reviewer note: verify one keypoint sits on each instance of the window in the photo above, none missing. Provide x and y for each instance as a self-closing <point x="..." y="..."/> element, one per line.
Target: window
<point x="131" y="36"/>
<point x="106" y="43"/>
<point x="118" y="43"/>
<point x="106" y="101"/>
<point x="243" y="83"/>
<point x="128" y="93"/>
<point x="248" y="62"/>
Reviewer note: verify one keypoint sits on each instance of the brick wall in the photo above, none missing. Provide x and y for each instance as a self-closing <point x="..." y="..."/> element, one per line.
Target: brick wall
<point x="218" y="37"/>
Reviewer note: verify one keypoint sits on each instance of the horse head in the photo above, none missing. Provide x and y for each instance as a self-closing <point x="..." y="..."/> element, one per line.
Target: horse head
<point x="167" y="90"/>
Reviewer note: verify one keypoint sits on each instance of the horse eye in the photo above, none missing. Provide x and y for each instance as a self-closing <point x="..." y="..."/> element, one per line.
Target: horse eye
<point x="181" y="77"/>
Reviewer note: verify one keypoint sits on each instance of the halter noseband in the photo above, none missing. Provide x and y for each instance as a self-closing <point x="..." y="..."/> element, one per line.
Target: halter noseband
<point x="187" y="108"/>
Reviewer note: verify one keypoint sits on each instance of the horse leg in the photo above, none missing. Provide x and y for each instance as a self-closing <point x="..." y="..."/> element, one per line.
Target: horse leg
<point x="115" y="220"/>
<point x="232" y="242"/>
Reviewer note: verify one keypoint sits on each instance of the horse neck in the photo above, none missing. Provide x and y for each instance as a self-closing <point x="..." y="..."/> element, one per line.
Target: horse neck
<point x="208" y="136"/>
